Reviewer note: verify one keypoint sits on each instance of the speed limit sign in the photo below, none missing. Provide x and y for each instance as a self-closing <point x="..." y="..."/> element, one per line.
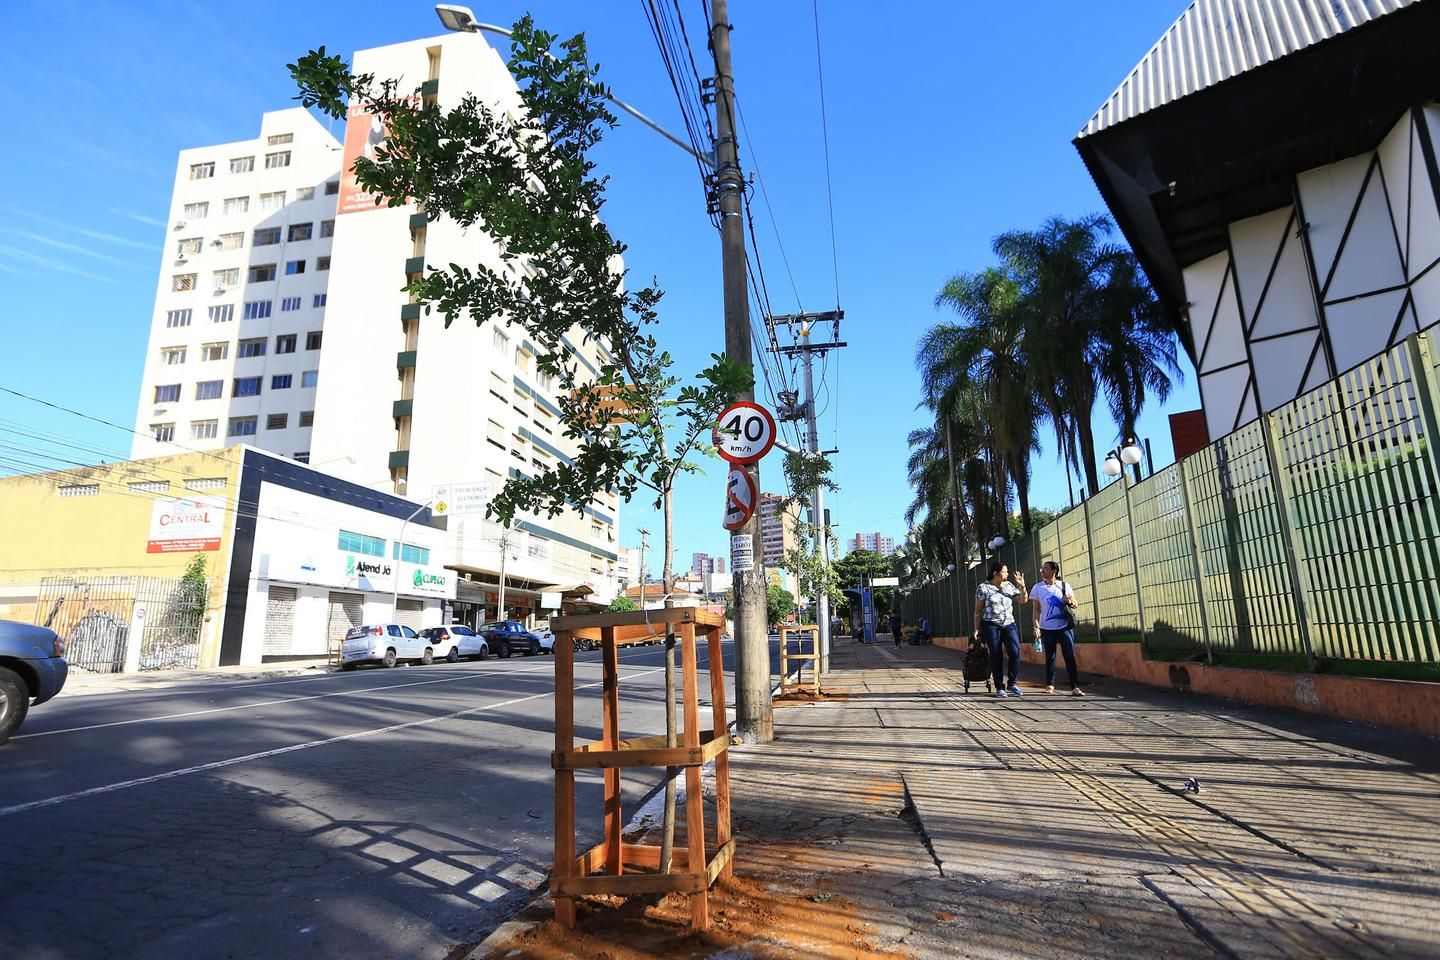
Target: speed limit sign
<point x="744" y="432"/>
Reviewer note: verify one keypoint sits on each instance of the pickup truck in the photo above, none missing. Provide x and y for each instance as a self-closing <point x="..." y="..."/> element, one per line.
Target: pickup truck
<point x="510" y="636"/>
<point x="32" y="670"/>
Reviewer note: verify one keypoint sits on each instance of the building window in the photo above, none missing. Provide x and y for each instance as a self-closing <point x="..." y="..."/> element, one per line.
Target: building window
<point x="222" y="313"/>
<point x="322" y="263"/>
<point x="242" y="426"/>
<point x="278" y="159"/>
<point x="319" y="300"/>
<point x="181" y="282"/>
<point x="300" y="231"/>
<point x="332" y="187"/>
<point x="227" y="279"/>
<point x="266" y="237"/>
<point x="312" y="340"/>
<point x="409" y="553"/>
<point x="304" y="193"/>
<point x="261" y="273"/>
<point x="189" y="247"/>
<point x="197" y="211"/>
<point x="309" y="378"/>
<point x="327" y="228"/>
<point x="272" y="201"/>
<point x="167" y="393"/>
<point x="170" y="356"/>
<point x="285" y="343"/>
<point x="281" y="381"/>
<point x="207" y="483"/>
<point x="522" y="359"/>
<point x="500" y="342"/>
<point x="252" y="348"/>
<point x="214" y="351"/>
<point x="80" y="490"/>
<point x="204" y="429"/>
<point x="277" y="139"/>
<point x="242" y="164"/>
<point x="361" y="543"/>
<point x="209" y="389"/>
<point x="246" y="387"/>
<point x="289" y="303"/>
<point x="235" y="205"/>
<point x="293" y="267"/>
<point x="177" y="318"/>
<point x="257" y="309"/>
<point x="307" y="418"/>
<point x="162" y="432"/>
<point x="232" y="241"/>
<point x="276" y="421"/>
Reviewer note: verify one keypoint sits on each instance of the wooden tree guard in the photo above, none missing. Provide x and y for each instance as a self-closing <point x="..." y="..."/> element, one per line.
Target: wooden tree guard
<point x="690" y="871"/>
<point x="786" y="656"/>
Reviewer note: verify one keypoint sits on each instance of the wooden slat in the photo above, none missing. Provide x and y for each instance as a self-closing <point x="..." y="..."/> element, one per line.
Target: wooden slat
<point x="722" y="755"/>
<point x="694" y="791"/>
<point x="648" y="855"/>
<point x="564" y="782"/>
<point x="627" y="886"/>
<point x="650" y="754"/>
<point x="662" y="615"/>
<point x="590" y="861"/>
<point x="720" y="863"/>
<point x="610" y="719"/>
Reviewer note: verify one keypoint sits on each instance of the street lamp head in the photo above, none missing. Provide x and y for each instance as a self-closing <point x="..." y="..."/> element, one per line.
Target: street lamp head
<point x="457" y="18"/>
<point x="996" y="543"/>
<point x="950" y="567"/>
<point x="1130" y="452"/>
<point x="1112" y="466"/>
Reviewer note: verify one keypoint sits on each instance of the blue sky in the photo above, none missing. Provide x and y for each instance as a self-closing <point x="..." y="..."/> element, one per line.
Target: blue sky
<point x="949" y="123"/>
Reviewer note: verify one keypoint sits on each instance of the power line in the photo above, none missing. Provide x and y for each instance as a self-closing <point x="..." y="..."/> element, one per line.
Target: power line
<point x="765" y="196"/>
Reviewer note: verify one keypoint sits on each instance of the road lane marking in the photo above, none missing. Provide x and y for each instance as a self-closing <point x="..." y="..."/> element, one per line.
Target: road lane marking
<point x="270" y="703"/>
<point x="280" y="751"/>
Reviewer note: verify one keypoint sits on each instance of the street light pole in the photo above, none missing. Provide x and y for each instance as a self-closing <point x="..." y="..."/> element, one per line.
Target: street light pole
<point x="399" y="555"/>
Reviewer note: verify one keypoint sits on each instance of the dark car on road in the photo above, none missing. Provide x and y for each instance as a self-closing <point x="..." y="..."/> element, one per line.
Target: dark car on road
<point x="32" y="670"/>
<point x="510" y="636"/>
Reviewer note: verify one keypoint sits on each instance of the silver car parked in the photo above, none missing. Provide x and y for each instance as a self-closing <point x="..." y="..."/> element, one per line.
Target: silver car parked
<point x="384" y="643"/>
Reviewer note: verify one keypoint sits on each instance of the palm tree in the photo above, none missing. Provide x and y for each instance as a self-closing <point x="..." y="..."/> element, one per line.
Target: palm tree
<point x="1134" y="344"/>
<point x="987" y="353"/>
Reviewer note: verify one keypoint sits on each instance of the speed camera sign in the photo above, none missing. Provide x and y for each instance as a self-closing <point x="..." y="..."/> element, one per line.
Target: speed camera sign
<point x="744" y="432"/>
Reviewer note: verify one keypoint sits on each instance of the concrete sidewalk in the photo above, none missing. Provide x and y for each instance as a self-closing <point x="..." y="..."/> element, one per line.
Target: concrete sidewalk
<point x="904" y="818"/>
<point x="79" y="682"/>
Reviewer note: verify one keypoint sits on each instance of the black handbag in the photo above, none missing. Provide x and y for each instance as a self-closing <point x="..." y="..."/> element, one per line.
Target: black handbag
<point x="1066" y="611"/>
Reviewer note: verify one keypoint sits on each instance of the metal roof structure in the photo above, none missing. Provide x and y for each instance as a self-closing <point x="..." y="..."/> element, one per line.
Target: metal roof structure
<point x="1214" y="40"/>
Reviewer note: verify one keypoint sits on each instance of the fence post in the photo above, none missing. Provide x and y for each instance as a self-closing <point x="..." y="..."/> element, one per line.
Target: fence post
<point x="1427" y="394"/>
<point x="1284" y="496"/>
<point x="1134" y="561"/>
<point x="1195" y="559"/>
<point x="1090" y="557"/>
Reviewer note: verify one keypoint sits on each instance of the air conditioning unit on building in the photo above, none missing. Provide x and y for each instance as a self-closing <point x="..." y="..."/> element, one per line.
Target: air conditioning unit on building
<point x="219" y="291"/>
<point x="180" y="257"/>
<point x="179" y="225"/>
<point x="217" y="242"/>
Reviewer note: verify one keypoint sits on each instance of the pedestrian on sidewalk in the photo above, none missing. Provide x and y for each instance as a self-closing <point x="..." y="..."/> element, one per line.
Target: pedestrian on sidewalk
<point x="995" y="602"/>
<point x="897" y="628"/>
<point x="925" y="633"/>
<point x="1053" y="603"/>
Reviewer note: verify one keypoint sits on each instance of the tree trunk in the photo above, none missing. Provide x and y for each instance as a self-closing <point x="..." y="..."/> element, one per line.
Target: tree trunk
<point x="1021" y="472"/>
<point x="1087" y="450"/>
<point x="667" y="842"/>
<point x="957" y="503"/>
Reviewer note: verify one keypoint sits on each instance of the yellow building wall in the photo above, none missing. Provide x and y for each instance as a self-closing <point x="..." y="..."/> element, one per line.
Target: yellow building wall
<point x="44" y="534"/>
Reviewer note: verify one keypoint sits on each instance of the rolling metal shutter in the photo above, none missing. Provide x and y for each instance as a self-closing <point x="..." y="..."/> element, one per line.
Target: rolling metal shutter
<point x="279" y="622"/>
<point x="346" y="611"/>
<point x="409" y="612"/>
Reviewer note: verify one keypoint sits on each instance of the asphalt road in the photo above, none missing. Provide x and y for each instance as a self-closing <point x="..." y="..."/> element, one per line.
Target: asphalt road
<point x="379" y="813"/>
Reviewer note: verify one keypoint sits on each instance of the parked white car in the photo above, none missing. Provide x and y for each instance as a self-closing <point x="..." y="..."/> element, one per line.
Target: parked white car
<point x="384" y="643"/>
<point x="547" y="637"/>
<point x="454" y="641"/>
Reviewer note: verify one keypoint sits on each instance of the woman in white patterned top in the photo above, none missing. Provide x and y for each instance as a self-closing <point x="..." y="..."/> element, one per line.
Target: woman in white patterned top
<point x="995" y="624"/>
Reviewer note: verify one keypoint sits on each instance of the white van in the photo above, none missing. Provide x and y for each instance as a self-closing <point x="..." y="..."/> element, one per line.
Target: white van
<point x="385" y="643"/>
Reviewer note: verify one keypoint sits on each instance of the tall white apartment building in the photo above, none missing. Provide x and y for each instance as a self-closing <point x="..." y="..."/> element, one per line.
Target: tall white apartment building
<point x="234" y="350"/>
<point x="877" y="542"/>
<point x="401" y="396"/>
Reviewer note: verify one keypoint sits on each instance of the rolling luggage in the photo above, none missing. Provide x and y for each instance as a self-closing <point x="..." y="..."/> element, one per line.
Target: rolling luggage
<point x="977" y="665"/>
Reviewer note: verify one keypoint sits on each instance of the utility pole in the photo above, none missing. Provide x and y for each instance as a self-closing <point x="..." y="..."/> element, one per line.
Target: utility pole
<point x="804" y="409"/>
<point x="754" y="719"/>
<point x="644" y="544"/>
<point x="504" y="552"/>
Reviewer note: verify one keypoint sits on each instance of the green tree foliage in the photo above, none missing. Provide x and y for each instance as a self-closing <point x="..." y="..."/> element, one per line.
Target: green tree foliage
<point x="622" y="605"/>
<point x="779" y="603"/>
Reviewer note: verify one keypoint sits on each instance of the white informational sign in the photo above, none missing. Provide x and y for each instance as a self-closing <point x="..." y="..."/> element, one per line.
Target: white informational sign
<point x="742" y="553"/>
<point x="549" y="601"/>
<point x="186" y="525"/>
<point x="744" y="432"/>
<point x="461" y="499"/>
<point x="885" y="581"/>
<point x="739" y="498"/>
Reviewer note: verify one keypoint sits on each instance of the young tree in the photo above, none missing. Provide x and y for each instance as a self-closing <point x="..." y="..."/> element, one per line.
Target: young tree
<point x="622" y="605"/>
<point x="525" y="177"/>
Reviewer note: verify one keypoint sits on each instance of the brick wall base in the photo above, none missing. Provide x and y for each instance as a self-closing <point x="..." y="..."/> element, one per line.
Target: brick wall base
<point x="1402" y="704"/>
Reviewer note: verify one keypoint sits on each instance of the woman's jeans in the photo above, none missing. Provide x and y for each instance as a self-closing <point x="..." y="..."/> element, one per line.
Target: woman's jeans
<point x="1004" y="639"/>
<point x="1065" y="640"/>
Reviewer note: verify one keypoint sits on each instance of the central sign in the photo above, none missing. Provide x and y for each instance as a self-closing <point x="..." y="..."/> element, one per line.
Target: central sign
<point x="739" y="499"/>
<point x="186" y="525"/>
<point x="744" y="432"/>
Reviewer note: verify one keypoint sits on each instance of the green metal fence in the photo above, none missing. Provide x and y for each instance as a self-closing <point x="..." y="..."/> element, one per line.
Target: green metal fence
<point x="1308" y="538"/>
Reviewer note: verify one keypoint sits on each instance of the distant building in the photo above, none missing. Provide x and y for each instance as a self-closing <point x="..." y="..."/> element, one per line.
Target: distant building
<point x="703" y="563"/>
<point x="880" y="544"/>
<point x="777" y="529"/>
